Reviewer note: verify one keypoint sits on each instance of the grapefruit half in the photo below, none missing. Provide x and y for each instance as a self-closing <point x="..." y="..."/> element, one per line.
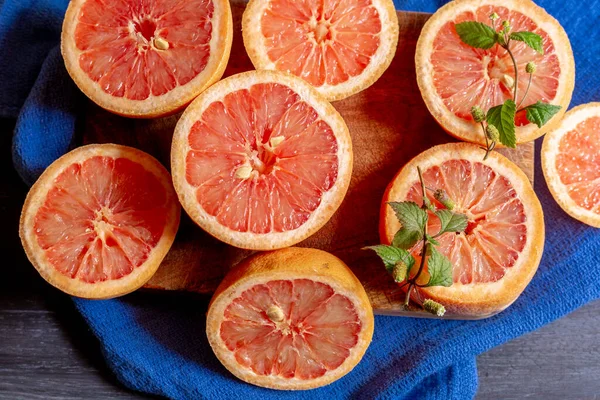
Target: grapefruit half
<point x="499" y="252"/>
<point x="340" y="47"/>
<point x="260" y="160"/>
<point x="291" y="319"/>
<point x="99" y="220"/>
<point x="146" y="58"/>
<point x="453" y="77"/>
<point x="571" y="163"/>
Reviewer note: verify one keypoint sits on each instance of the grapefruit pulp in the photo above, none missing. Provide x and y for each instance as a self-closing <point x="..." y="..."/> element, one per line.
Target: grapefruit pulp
<point x="146" y="58"/>
<point x="295" y="318"/>
<point x="494" y="259"/>
<point x="260" y="160"/>
<point x="453" y="76"/>
<point x="99" y="220"/>
<point x="340" y="47"/>
<point x="571" y="163"/>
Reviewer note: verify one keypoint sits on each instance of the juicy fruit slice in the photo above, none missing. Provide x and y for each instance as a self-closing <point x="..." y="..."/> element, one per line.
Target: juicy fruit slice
<point x="99" y="221"/>
<point x="571" y="163"/>
<point x="453" y="77"/>
<point x="295" y="318"/>
<point x="146" y="58"/>
<point x="497" y="255"/>
<point x="261" y="161"/>
<point x="339" y="47"/>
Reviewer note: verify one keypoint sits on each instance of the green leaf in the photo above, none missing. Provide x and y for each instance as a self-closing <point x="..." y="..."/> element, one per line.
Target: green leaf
<point x="440" y="269"/>
<point x="476" y="34"/>
<point x="410" y="215"/>
<point x="451" y="221"/>
<point x="391" y="256"/>
<point x="405" y="239"/>
<point x="413" y="220"/>
<point x="503" y="118"/>
<point x="432" y="240"/>
<point x="540" y="113"/>
<point x="531" y="39"/>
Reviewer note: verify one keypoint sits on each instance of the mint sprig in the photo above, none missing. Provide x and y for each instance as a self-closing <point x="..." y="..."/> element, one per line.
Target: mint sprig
<point x="498" y="123"/>
<point x="540" y="113"/>
<point x="476" y="34"/>
<point x="413" y="219"/>
<point x="503" y="118"/>
<point x="531" y="39"/>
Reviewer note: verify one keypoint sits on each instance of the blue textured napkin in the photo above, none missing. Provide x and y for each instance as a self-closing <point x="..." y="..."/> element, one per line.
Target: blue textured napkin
<point x="156" y="343"/>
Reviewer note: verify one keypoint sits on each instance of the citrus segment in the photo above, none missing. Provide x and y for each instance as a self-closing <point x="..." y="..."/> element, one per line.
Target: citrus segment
<point x="340" y="47"/>
<point x="100" y="220"/>
<point x="148" y="58"/>
<point x="260" y="160"/>
<point x="290" y="319"/>
<point x="453" y="76"/>
<point x="571" y="163"/>
<point x="498" y="253"/>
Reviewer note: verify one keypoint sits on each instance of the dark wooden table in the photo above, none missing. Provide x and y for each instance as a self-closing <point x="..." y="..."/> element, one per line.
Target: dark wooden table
<point x="47" y="352"/>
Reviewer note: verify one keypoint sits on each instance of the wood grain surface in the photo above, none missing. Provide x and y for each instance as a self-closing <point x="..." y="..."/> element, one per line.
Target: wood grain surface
<point x="389" y="124"/>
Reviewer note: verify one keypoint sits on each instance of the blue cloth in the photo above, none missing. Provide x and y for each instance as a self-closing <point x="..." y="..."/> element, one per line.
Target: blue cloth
<point x="156" y="343"/>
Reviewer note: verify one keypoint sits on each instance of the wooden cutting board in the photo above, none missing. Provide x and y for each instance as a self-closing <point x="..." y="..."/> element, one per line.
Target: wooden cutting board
<point x="389" y="124"/>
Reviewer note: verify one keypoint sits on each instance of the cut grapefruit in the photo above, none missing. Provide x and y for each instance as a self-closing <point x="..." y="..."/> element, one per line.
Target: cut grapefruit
<point x="340" y="47"/>
<point x="498" y="254"/>
<point x="453" y="77"/>
<point x="571" y="163"/>
<point x="290" y="319"/>
<point x="99" y="220"/>
<point x="146" y="58"/>
<point x="260" y="160"/>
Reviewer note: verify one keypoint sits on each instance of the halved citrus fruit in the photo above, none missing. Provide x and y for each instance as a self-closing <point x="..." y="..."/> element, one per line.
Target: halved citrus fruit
<point x="146" y="58"/>
<point x="99" y="220"/>
<point x="453" y="77"/>
<point x="291" y="319"/>
<point x="340" y="47"/>
<point x="260" y="160"/>
<point x="571" y="163"/>
<point x="498" y="254"/>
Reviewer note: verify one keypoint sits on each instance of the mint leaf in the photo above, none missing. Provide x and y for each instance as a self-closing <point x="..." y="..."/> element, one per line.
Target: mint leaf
<point x="540" y="113"/>
<point x="405" y="239"/>
<point x="413" y="220"/>
<point x="531" y="39"/>
<point x="451" y="222"/>
<point x="440" y="269"/>
<point x="476" y="34"/>
<point x="503" y="118"/>
<point x="410" y="215"/>
<point x="391" y="256"/>
<point x="432" y="240"/>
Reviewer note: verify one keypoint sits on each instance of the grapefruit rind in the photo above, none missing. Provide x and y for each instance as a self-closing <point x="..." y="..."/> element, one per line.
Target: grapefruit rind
<point x="549" y="152"/>
<point x="331" y="199"/>
<point x="380" y="61"/>
<point x="289" y="263"/>
<point x="110" y="288"/>
<point x="468" y="130"/>
<point x="153" y="106"/>
<point x="480" y="299"/>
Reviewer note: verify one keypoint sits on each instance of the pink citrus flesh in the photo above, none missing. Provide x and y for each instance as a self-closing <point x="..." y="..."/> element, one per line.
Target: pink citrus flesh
<point x="496" y="233"/>
<point x="578" y="165"/>
<point x="101" y="219"/>
<point x="138" y="49"/>
<point x="261" y="159"/>
<point x="315" y="332"/>
<point x="326" y="43"/>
